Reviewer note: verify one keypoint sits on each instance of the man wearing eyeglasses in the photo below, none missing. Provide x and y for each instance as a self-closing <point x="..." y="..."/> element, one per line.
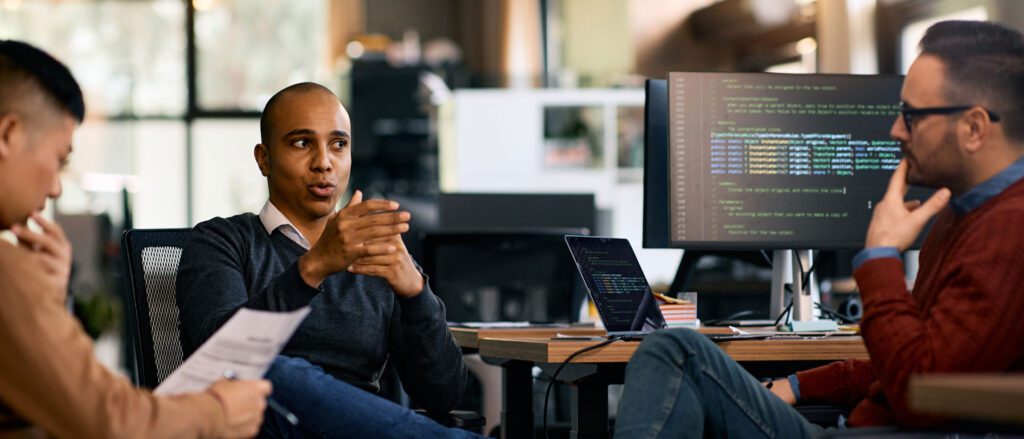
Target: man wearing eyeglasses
<point x="962" y="132"/>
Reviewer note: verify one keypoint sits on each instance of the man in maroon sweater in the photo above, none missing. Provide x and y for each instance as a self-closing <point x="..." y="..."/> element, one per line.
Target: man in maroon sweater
<point x="962" y="131"/>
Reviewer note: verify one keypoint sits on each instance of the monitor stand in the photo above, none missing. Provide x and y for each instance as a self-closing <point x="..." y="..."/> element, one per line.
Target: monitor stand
<point x="786" y="271"/>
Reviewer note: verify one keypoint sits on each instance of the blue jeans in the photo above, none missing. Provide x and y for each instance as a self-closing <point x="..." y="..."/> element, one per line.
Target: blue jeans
<point x="331" y="408"/>
<point x="680" y="385"/>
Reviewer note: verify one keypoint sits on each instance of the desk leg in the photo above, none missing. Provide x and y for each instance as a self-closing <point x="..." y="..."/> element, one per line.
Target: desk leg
<point x="590" y="409"/>
<point x="517" y="404"/>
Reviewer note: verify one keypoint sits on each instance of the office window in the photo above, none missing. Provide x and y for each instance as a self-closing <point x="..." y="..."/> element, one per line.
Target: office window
<point x="590" y="43"/>
<point x="160" y="199"/>
<point x="129" y="56"/>
<point x="145" y="157"/>
<point x="225" y="177"/>
<point x="246" y="51"/>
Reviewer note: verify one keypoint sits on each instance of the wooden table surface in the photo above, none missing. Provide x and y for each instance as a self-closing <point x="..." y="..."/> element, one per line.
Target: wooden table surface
<point x="984" y="397"/>
<point x="470" y="337"/>
<point x="536" y="345"/>
<point x="542" y="349"/>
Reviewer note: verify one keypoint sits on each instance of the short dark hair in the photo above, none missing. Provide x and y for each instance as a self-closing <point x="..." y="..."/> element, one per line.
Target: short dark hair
<point x="24" y="68"/>
<point x="266" y="118"/>
<point x="984" y="65"/>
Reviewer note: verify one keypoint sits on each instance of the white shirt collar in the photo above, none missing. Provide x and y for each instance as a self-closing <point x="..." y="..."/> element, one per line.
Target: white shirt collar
<point x="273" y="219"/>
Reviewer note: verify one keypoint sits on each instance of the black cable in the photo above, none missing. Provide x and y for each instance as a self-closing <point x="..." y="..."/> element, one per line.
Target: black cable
<point x="834" y="313"/>
<point x="785" y="311"/>
<point x="767" y="258"/>
<point x="805" y="277"/>
<point x="551" y="383"/>
<point x="731" y="317"/>
<point x="814" y="264"/>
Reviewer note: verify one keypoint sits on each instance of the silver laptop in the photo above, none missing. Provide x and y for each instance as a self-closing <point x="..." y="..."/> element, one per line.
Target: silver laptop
<point x="617" y="285"/>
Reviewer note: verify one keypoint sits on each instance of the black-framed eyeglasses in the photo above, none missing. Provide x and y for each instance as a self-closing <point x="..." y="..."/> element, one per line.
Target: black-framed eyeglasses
<point x="909" y="112"/>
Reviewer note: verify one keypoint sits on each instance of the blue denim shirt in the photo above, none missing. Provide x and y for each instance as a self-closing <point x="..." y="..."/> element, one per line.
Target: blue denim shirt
<point x="961" y="205"/>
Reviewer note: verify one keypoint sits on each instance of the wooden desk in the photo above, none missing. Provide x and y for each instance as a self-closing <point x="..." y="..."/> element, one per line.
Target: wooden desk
<point x="517" y="351"/>
<point x="469" y="338"/>
<point x="977" y="397"/>
<point x="540" y="348"/>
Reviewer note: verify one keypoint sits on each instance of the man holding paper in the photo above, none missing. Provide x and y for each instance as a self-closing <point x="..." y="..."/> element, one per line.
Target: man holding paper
<point x="50" y="383"/>
<point x="369" y="302"/>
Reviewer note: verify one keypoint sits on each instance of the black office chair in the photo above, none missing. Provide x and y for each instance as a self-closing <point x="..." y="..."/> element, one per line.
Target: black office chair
<point x="151" y="258"/>
<point x="151" y="266"/>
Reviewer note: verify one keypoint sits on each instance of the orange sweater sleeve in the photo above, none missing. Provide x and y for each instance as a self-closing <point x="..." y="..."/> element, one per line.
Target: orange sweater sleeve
<point x="50" y="378"/>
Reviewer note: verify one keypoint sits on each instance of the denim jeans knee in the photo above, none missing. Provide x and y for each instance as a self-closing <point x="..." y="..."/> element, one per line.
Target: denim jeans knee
<point x="687" y="341"/>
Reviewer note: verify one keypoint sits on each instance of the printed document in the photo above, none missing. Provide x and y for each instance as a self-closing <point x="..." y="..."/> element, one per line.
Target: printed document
<point x="243" y="348"/>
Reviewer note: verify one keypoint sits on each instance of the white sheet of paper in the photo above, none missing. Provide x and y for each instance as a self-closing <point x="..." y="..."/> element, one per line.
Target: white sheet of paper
<point x="245" y="345"/>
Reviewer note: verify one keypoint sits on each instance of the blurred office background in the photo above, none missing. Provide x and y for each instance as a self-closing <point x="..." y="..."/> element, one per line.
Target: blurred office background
<point x="446" y="96"/>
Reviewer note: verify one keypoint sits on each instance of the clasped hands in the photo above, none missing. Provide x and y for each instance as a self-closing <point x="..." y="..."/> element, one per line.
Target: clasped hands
<point x="365" y="237"/>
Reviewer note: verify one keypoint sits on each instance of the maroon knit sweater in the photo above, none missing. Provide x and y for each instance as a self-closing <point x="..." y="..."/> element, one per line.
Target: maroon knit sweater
<point x="965" y="314"/>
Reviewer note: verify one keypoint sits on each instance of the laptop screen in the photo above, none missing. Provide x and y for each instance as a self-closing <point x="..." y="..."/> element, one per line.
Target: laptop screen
<point x="617" y="284"/>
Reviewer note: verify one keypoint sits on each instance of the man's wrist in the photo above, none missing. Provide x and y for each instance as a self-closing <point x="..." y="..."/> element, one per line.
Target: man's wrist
<point x="872" y="253"/>
<point x="780" y="388"/>
<point x="220" y="402"/>
<point x="794" y="387"/>
<point x="309" y="271"/>
<point x="415" y="288"/>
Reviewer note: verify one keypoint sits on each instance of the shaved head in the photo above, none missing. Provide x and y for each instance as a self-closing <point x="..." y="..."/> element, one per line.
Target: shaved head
<point x="269" y="116"/>
<point x="305" y="152"/>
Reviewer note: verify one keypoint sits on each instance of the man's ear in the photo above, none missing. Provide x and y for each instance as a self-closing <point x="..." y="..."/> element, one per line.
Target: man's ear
<point x="10" y="127"/>
<point x="262" y="154"/>
<point x="975" y="129"/>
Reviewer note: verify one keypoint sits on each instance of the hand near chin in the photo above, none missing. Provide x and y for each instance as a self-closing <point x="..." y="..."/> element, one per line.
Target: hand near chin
<point x="356" y="231"/>
<point x="47" y="255"/>
<point x="896" y="223"/>
<point x="396" y="267"/>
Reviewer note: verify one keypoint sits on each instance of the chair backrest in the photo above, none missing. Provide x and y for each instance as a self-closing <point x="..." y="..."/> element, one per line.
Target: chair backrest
<point x="151" y="261"/>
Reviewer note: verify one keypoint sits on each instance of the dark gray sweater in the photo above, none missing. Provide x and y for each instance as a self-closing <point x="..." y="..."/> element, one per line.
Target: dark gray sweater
<point x="355" y="323"/>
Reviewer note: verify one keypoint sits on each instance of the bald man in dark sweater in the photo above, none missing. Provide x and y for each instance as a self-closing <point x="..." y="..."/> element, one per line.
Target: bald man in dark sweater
<point x="370" y="303"/>
<point x="962" y="132"/>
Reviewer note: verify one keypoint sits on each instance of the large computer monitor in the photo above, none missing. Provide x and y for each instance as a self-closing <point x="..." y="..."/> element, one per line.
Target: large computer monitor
<point x="767" y="161"/>
<point x="755" y="161"/>
<point x="655" y="233"/>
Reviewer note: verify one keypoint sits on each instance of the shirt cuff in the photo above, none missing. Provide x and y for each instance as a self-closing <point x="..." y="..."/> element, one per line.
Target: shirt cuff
<point x="872" y="253"/>
<point x="794" y="384"/>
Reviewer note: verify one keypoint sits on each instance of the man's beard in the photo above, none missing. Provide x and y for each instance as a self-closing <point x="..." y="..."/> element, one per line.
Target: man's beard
<point x="939" y="173"/>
